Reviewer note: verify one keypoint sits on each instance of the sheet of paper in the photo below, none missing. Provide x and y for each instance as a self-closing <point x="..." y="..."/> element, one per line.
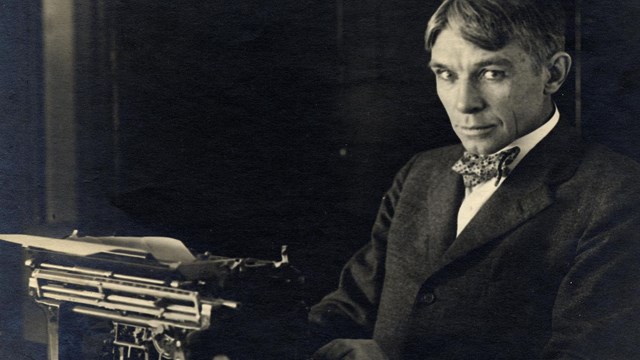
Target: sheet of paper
<point x="161" y="248"/>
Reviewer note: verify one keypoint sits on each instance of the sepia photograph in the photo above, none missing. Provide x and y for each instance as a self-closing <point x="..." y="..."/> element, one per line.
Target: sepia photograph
<point x="319" y="180"/>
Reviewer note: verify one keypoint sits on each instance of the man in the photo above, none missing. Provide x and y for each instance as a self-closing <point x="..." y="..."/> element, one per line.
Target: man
<point x="522" y="243"/>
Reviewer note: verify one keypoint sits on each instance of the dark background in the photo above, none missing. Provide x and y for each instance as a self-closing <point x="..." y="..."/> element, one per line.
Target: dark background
<point x="240" y="126"/>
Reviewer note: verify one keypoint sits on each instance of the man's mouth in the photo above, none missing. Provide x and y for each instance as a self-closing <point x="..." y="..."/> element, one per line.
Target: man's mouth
<point x="476" y="130"/>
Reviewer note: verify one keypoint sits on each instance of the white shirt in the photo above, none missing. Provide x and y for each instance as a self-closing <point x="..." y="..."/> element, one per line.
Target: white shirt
<point x="476" y="197"/>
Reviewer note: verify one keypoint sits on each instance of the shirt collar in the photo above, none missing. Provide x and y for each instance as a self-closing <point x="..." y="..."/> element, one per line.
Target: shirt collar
<point x="529" y="141"/>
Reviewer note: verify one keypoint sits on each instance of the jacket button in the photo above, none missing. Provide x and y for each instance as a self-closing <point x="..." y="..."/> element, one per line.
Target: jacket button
<point x="427" y="298"/>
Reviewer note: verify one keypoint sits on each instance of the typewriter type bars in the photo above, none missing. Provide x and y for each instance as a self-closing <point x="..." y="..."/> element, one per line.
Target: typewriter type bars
<point x="130" y="300"/>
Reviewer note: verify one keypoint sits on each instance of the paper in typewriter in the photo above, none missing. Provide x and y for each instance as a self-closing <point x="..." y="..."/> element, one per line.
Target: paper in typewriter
<point x="163" y="249"/>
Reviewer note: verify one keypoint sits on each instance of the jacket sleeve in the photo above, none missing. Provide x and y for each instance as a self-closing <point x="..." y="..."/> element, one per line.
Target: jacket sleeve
<point x="596" y="314"/>
<point x="350" y="311"/>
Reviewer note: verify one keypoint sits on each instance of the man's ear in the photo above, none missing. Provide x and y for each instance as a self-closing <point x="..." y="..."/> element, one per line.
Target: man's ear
<point x="558" y="68"/>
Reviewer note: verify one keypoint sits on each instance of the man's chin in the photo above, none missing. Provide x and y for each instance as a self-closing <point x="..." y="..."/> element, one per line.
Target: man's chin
<point x="482" y="143"/>
<point x="481" y="149"/>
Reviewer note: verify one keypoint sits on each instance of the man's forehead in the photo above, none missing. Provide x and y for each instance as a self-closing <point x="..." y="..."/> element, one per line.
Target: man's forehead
<point x="496" y="59"/>
<point x="450" y="48"/>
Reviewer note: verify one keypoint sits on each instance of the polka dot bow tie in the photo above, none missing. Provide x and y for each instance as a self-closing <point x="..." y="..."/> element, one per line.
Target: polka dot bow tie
<point x="477" y="169"/>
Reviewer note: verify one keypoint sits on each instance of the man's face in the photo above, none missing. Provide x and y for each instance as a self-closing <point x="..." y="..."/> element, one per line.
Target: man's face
<point x="491" y="97"/>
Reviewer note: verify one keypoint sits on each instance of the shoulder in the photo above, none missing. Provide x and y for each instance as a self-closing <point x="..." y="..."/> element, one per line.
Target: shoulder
<point x="601" y="160"/>
<point x="592" y="159"/>
<point x="435" y="159"/>
<point x="445" y="154"/>
<point x="604" y="166"/>
<point x="430" y="163"/>
<point x="427" y="166"/>
<point x="607" y="181"/>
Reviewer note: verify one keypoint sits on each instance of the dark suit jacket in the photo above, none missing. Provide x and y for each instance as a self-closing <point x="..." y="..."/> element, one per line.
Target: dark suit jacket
<point x="548" y="268"/>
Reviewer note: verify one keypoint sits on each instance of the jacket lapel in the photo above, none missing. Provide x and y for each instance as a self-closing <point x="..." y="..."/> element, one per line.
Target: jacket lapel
<point x="526" y="192"/>
<point x="509" y="207"/>
<point x="445" y="199"/>
<point x="428" y="223"/>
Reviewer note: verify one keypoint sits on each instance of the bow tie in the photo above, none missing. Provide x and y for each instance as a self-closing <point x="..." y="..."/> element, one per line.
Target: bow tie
<point x="477" y="169"/>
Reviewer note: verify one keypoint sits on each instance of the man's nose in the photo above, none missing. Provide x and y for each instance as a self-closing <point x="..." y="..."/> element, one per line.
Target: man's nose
<point x="469" y="99"/>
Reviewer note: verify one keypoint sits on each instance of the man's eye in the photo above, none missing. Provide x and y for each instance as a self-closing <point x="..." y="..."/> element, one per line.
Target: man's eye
<point x="444" y="75"/>
<point x="493" y="75"/>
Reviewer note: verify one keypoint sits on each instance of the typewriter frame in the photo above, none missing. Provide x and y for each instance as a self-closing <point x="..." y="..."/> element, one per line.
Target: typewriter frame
<point x="162" y="305"/>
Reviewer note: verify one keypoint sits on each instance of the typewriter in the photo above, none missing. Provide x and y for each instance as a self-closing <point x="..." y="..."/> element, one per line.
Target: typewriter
<point x="159" y="301"/>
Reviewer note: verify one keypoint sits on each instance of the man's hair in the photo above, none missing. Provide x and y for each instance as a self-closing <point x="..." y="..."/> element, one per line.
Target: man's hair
<point x="536" y="25"/>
